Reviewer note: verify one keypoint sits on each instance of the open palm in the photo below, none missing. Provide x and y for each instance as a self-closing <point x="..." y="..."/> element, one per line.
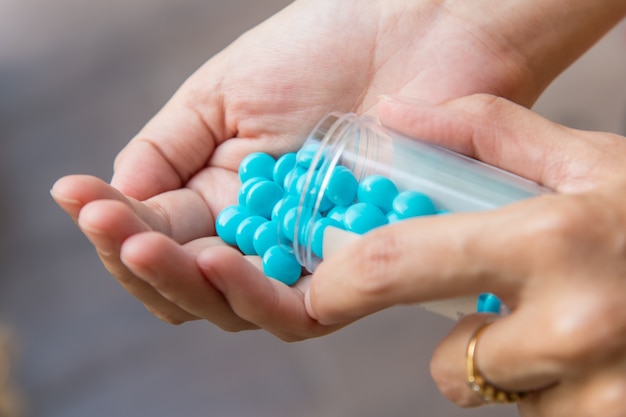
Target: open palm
<point x="153" y="226"/>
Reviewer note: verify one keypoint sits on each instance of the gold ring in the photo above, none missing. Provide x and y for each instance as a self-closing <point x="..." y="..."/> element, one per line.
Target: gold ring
<point x="477" y="382"/>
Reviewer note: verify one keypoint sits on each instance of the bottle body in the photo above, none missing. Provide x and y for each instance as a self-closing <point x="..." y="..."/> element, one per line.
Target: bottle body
<point x="349" y="177"/>
<point x="454" y="182"/>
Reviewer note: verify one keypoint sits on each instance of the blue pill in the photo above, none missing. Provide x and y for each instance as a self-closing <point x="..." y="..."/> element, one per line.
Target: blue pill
<point x="342" y="186"/>
<point x="258" y="164"/>
<point x="280" y="208"/>
<point x="245" y="189"/>
<point x="298" y="186"/>
<point x="363" y="217"/>
<point x="288" y="223"/>
<point x="377" y="190"/>
<point x="291" y="224"/>
<point x="325" y="205"/>
<point x="409" y="204"/>
<point x="262" y="197"/>
<point x="310" y="182"/>
<point x="228" y="221"/>
<point x="337" y="213"/>
<point x="290" y="180"/>
<point x="284" y="165"/>
<point x="320" y="226"/>
<point x="392" y="217"/>
<point x="295" y="182"/>
<point x="265" y="236"/>
<point x="245" y="233"/>
<point x="488" y="303"/>
<point x="281" y="264"/>
<point x="306" y="154"/>
<point x="292" y="176"/>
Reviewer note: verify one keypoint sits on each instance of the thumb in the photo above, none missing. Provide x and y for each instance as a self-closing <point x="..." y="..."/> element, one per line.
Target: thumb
<point x="173" y="145"/>
<point x="509" y="136"/>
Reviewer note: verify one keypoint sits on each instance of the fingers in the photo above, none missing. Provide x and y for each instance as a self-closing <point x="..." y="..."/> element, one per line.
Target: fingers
<point x="181" y="214"/>
<point x="107" y="224"/>
<point x="512" y="355"/>
<point x="74" y="191"/>
<point x="171" y="272"/>
<point x="269" y="304"/>
<point x="511" y="137"/>
<point x="427" y="259"/>
<point x="600" y="392"/>
<point x="505" y="356"/>
<point x="174" y="145"/>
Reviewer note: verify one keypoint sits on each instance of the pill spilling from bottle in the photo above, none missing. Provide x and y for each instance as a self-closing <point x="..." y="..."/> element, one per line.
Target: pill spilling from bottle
<point x="353" y="175"/>
<point x="265" y="220"/>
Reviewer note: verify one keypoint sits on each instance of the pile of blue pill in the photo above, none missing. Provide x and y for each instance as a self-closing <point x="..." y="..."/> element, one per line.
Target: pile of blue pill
<point x="263" y="222"/>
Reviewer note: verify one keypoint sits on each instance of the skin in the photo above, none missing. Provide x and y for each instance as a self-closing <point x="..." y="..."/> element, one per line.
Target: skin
<point x="153" y="225"/>
<point x="561" y="271"/>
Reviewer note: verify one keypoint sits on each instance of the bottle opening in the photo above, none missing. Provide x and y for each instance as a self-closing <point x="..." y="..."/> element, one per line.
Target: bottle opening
<point x="329" y="140"/>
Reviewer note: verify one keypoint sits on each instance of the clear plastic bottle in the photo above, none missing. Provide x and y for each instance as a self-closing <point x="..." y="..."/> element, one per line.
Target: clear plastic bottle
<point x="454" y="182"/>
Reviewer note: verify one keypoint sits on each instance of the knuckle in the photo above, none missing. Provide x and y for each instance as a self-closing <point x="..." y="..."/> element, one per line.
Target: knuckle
<point x="562" y="223"/>
<point x="587" y="335"/>
<point x="579" y="225"/>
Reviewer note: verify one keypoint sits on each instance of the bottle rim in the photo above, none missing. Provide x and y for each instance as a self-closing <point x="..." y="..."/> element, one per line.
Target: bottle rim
<point x="330" y="135"/>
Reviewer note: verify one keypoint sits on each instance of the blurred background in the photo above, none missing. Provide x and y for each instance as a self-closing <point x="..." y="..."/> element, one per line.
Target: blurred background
<point x="78" y="78"/>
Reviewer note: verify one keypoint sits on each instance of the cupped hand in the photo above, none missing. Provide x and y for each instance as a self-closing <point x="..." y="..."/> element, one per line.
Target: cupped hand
<point x="153" y="226"/>
<point x="557" y="261"/>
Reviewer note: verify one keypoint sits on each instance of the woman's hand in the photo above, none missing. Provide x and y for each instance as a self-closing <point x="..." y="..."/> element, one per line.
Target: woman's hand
<point x="558" y="261"/>
<point x="153" y="227"/>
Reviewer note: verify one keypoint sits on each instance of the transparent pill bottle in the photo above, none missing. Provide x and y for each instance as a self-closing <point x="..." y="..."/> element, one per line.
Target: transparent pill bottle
<point x="454" y="182"/>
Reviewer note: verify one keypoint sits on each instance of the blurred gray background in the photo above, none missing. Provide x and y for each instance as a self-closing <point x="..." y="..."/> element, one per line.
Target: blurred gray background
<point x="77" y="79"/>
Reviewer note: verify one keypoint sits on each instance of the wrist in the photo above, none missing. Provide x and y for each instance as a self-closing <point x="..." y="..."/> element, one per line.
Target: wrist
<point x="539" y="39"/>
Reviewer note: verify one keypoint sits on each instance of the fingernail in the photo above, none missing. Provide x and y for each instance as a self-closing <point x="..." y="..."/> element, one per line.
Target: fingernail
<point x="59" y="198"/>
<point x="412" y="101"/>
<point x="307" y="304"/>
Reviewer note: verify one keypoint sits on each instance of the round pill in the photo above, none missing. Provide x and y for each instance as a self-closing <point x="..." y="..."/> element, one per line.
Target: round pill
<point x="288" y="223"/>
<point x="228" y="221"/>
<point x="342" y="186"/>
<point x="337" y="213"/>
<point x="265" y="236"/>
<point x="306" y="154"/>
<point x="257" y="164"/>
<point x="377" y="190"/>
<point x="281" y="264"/>
<point x="409" y="204"/>
<point x="283" y="166"/>
<point x="290" y="179"/>
<point x="310" y="181"/>
<point x="325" y="205"/>
<point x="392" y="217"/>
<point x="320" y="226"/>
<point x="488" y="303"/>
<point x="245" y="233"/>
<point x="262" y="196"/>
<point x="291" y="224"/>
<point x="363" y="217"/>
<point x="280" y="208"/>
<point x="245" y="189"/>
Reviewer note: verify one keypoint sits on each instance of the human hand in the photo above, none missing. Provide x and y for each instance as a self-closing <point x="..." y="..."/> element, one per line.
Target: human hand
<point x="556" y="261"/>
<point x="153" y="227"/>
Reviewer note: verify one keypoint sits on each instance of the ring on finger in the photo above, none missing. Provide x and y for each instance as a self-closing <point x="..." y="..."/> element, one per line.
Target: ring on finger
<point x="476" y="380"/>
